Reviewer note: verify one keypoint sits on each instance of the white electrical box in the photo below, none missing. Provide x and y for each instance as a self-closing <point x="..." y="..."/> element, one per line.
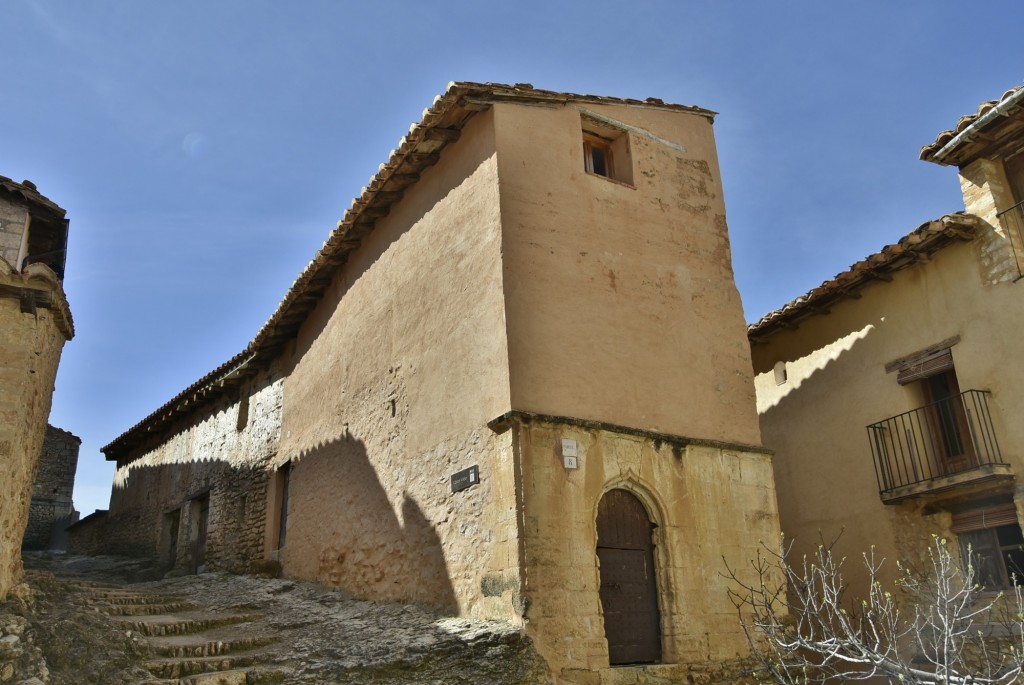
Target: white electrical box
<point x="570" y="454"/>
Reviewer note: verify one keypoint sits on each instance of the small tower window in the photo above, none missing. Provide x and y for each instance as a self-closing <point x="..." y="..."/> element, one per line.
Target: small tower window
<point x="781" y="376"/>
<point x="597" y="156"/>
<point x="606" y="151"/>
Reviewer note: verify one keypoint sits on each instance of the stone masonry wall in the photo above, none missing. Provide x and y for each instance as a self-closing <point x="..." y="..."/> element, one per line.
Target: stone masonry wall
<point x="30" y="348"/>
<point x="213" y="459"/>
<point x="710" y="504"/>
<point x="55" y="481"/>
<point x="986" y="192"/>
<point x="13" y="222"/>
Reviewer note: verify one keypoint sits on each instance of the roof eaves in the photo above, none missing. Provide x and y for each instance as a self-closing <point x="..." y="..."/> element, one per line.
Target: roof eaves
<point x="917" y="245"/>
<point x="968" y="127"/>
<point x="28" y="192"/>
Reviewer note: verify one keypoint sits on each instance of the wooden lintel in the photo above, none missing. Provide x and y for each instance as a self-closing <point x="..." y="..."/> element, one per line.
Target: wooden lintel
<point x="423" y="158"/>
<point x="474" y="105"/>
<point x="955" y="232"/>
<point x="386" y="196"/>
<point x="376" y="212"/>
<point x="33" y="297"/>
<point x="445" y="134"/>
<point x="361" y="228"/>
<point x="920" y="257"/>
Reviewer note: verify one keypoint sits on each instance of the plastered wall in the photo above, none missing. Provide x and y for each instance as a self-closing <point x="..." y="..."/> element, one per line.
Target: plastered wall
<point x="837" y="385"/>
<point x="620" y="299"/>
<point x="395" y="376"/>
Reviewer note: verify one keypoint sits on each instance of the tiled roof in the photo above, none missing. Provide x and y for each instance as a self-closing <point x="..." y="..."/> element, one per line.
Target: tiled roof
<point x="913" y="247"/>
<point x="27" y="191"/>
<point x="961" y="151"/>
<point x="441" y="124"/>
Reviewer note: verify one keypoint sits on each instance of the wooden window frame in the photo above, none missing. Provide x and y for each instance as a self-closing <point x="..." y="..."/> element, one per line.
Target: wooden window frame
<point x="987" y="523"/>
<point x="590" y="142"/>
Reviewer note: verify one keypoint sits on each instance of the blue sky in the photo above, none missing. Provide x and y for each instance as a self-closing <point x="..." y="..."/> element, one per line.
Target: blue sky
<point x="204" y="150"/>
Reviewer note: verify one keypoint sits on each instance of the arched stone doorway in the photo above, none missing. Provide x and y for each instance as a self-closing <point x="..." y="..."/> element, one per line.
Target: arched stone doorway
<point x="629" y="588"/>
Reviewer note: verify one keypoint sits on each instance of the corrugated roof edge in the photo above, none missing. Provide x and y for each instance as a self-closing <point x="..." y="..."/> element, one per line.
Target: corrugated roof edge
<point x="922" y="241"/>
<point x="963" y="123"/>
<point x="417" y="150"/>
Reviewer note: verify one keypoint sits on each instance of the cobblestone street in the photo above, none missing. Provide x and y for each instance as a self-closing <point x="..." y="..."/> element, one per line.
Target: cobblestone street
<point x="84" y="621"/>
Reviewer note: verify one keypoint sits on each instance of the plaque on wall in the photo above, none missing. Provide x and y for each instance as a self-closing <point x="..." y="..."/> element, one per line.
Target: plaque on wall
<point x="465" y="478"/>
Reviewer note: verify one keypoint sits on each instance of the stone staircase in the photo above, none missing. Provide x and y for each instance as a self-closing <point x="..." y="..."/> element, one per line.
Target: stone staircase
<point x="191" y="644"/>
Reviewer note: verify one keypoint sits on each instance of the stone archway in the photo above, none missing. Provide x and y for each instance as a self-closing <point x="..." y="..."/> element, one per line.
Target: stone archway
<point x="629" y="588"/>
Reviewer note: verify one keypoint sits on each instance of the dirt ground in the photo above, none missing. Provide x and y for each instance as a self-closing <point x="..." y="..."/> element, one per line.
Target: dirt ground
<point x="66" y="629"/>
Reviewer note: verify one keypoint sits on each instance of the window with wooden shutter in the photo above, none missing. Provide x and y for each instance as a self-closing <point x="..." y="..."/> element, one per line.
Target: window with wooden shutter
<point x="993" y="540"/>
<point x="928" y="365"/>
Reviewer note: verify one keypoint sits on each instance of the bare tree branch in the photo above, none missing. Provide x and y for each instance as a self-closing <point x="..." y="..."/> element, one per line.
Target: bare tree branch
<point x="938" y="627"/>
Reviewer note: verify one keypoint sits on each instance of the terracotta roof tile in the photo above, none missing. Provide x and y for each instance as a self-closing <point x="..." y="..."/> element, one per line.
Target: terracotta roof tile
<point x="921" y="242"/>
<point x="929" y="151"/>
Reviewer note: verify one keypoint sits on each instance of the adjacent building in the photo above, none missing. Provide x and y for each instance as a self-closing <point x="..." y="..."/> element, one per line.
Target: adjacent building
<point x="514" y="383"/>
<point x="891" y="393"/>
<point x="51" y="509"/>
<point x="35" y="322"/>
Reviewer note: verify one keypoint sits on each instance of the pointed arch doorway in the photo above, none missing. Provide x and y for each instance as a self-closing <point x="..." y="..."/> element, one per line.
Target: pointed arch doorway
<point x="629" y="588"/>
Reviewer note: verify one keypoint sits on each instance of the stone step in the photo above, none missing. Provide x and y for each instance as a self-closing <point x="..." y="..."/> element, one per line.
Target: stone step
<point x="259" y="675"/>
<point x="91" y="585"/>
<point x="175" y="647"/>
<point x="180" y="668"/>
<point x="154" y="626"/>
<point x="137" y="598"/>
<point x="148" y="609"/>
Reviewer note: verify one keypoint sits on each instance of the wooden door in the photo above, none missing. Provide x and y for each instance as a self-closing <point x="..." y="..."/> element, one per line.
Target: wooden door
<point x="629" y="590"/>
<point x="951" y="433"/>
<point x="202" y="509"/>
<point x="173" y="524"/>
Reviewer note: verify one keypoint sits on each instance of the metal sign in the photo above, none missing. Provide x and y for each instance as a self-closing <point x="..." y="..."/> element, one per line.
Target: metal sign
<point x="465" y="478"/>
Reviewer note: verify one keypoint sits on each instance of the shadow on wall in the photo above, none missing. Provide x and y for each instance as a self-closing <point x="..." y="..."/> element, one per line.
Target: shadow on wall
<point x="343" y="528"/>
<point x="343" y="525"/>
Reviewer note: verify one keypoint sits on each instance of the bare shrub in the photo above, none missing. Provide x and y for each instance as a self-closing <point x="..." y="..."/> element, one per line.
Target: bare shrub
<point x="936" y="625"/>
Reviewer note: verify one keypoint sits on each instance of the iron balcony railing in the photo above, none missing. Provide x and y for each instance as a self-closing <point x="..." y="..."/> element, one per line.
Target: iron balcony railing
<point x="1012" y="220"/>
<point x="951" y="436"/>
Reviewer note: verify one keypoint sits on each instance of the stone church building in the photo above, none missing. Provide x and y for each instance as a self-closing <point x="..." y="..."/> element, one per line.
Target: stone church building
<point x="514" y="383"/>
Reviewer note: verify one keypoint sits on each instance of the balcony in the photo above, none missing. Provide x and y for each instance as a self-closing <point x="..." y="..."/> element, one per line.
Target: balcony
<point x="1012" y="220"/>
<point x="937" y="447"/>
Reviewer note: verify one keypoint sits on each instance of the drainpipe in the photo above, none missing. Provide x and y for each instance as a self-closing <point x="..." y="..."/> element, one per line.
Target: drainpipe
<point x="1001" y="109"/>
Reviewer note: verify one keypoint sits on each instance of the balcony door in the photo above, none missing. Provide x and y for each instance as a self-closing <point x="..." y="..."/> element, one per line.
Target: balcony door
<point x="950" y="433"/>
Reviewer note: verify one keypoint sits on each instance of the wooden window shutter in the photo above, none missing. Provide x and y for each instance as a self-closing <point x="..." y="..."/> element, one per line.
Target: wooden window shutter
<point x="1003" y="515"/>
<point x="933" y="364"/>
